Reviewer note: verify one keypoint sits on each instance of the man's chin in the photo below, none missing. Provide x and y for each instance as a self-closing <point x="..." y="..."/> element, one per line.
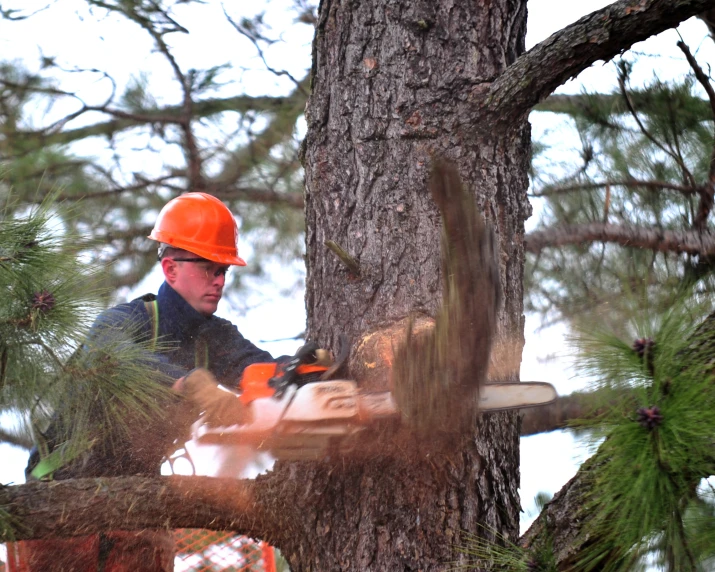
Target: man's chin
<point x="209" y="307"/>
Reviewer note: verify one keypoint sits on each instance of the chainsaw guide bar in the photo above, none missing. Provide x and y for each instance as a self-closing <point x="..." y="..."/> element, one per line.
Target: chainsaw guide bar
<point x="309" y="421"/>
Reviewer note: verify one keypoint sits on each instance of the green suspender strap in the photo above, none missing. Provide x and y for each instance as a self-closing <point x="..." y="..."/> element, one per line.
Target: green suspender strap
<point x="201" y="348"/>
<point x="152" y="308"/>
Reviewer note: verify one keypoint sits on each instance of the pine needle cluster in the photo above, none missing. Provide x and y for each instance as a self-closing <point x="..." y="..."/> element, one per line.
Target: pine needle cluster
<point x="494" y="551"/>
<point x="649" y="501"/>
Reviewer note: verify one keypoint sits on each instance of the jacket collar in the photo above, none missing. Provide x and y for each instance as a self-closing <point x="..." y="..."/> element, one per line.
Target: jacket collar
<point x="177" y="319"/>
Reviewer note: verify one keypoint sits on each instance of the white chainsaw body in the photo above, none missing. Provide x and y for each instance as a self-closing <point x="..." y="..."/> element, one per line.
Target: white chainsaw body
<point x="308" y="422"/>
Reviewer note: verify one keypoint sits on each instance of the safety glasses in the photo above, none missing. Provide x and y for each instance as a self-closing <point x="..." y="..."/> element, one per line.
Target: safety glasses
<point x="207" y="264"/>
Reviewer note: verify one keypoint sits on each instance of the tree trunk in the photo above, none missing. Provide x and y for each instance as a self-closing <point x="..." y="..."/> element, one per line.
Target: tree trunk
<point x="394" y="84"/>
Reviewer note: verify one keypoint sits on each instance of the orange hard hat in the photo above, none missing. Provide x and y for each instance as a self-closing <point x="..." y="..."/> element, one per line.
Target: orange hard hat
<point x="200" y="224"/>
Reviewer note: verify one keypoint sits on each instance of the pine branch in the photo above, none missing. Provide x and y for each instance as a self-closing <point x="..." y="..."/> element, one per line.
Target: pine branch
<point x="641" y="481"/>
<point x="601" y="35"/>
<point x="707" y="196"/>
<point x="229" y="192"/>
<point x="576" y="105"/>
<point x="622" y="77"/>
<point x="658" y="240"/>
<point x="166" y="115"/>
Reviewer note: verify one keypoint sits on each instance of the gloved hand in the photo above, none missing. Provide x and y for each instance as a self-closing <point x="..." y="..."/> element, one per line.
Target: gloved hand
<point x="311" y="354"/>
<point x="220" y="407"/>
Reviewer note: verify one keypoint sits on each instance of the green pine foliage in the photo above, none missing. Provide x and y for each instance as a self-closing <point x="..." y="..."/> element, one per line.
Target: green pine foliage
<point x="648" y="500"/>
<point x="47" y="307"/>
<point x="124" y="147"/>
<point x="658" y="442"/>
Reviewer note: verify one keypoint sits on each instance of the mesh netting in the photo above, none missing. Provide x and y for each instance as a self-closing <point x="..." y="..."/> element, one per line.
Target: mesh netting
<point x="197" y="550"/>
<point x="206" y="550"/>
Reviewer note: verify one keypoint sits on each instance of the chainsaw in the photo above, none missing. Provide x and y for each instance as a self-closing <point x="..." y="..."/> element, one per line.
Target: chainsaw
<point x="299" y="413"/>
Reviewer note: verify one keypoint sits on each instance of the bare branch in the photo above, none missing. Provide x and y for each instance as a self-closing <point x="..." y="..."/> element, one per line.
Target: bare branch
<point x="18" y="440"/>
<point x="599" y="36"/>
<point x="254" y="40"/>
<point x="675" y="241"/>
<point x="650" y="185"/>
<point x="184" y="119"/>
<point x="566" y="409"/>
<point x="279" y="129"/>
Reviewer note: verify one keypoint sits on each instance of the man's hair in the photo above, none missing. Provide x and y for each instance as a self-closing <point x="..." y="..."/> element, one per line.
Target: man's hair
<point x="167" y="251"/>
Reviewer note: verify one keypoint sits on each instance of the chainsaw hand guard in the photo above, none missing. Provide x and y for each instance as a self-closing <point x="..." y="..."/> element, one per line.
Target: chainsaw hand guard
<point x="310" y="358"/>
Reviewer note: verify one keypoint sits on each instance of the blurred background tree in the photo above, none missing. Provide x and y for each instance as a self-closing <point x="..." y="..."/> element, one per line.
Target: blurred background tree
<point x="631" y="219"/>
<point x="126" y="143"/>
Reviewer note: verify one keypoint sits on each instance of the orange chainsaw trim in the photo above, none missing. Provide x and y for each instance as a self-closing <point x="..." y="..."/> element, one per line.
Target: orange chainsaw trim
<point x="256" y="377"/>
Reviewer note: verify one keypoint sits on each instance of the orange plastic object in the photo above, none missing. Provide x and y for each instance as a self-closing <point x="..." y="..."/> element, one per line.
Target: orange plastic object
<point x="200" y="224"/>
<point x="255" y="378"/>
<point x="254" y="382"/>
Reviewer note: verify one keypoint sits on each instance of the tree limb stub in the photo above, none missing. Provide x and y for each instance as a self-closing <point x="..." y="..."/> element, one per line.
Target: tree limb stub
<point x="85" y="506"/>
<point x="658" y="240"/>
<point x="351" y="264"/>
<point x="599" y="36"/>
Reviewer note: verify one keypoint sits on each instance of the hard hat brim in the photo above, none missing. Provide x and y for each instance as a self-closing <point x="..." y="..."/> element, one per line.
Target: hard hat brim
<point x="213" y="256"/>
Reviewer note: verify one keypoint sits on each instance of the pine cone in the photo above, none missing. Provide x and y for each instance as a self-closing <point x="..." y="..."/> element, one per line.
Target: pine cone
<point x="43" y="301"/>
<point x="650" y="417"/>
<point x="644" y="348"/>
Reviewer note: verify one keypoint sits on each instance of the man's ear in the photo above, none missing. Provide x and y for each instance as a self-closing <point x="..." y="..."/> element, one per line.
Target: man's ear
<point x="169" y="267"/>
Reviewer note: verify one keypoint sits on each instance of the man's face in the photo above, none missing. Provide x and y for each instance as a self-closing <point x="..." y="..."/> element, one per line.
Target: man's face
<point x="199" y="282"/>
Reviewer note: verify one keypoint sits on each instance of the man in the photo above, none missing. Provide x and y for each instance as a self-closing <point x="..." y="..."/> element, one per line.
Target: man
<point x="197" y="237"/>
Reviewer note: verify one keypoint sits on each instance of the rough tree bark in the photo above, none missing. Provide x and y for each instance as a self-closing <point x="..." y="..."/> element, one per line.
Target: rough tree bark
<point x="395" y="82"/>
<point x="393" y="85"/>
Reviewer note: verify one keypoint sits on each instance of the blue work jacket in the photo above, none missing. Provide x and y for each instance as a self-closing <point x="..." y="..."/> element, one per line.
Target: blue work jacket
<point x="186" y="339"/>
